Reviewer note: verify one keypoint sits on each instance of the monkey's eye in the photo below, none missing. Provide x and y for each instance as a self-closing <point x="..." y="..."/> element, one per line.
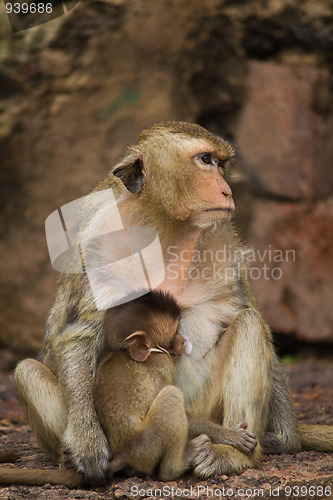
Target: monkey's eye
<point x="205" y="158"/>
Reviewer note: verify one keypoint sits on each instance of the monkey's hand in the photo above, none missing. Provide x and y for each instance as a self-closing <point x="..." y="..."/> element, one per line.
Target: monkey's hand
<point x="88" y="449"/>
<point x="242" y="439"/>
<point x="237" y="436"/>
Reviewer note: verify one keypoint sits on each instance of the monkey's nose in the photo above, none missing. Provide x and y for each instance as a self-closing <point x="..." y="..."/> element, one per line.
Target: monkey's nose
<point x="226" y="189"/>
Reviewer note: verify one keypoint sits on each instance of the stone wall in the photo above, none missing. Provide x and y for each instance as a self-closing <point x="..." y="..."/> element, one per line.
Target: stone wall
<point x="76" y="91"/>
<point x="285" y="130"/>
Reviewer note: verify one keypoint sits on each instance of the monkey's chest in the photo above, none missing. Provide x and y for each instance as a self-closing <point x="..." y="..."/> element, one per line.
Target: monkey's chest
<point x="194" y="377"/>
<point x="204" y="324"/>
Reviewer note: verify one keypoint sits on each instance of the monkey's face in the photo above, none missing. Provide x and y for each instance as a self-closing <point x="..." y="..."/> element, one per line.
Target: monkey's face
<point x="186" y="178"/>
<point x="164" y="328"/>
<point x="179" y="170"/>
<point x="193" y="187"/>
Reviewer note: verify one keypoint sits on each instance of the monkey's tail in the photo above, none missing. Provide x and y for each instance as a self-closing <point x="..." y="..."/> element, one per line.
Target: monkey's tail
<point x="38" y="477"/>
<point x="316" y="437"/>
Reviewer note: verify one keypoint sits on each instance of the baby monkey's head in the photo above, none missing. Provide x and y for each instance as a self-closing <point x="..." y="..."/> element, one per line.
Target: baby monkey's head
<point x="147" y="324"/>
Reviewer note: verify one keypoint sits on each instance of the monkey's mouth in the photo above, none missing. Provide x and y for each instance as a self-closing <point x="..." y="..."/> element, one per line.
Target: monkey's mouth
<point x="229" y="210"/>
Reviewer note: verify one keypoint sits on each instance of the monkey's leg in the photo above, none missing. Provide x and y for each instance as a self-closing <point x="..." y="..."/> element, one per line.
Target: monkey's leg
<point x="161" y="437"/>
<point x="240" y="393"/>
<point x="39" y="392"/>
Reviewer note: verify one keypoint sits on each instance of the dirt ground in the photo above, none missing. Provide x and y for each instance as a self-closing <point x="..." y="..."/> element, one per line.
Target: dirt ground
<point x="303" y="475"/>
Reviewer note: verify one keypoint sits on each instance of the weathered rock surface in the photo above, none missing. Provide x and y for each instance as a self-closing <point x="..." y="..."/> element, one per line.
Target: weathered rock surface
<point x="292" y="266"/>
<point x="286" y="130"/>
<point x="77" y="90"/>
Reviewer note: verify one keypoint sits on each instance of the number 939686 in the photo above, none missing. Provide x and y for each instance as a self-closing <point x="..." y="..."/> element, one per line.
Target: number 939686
<point x="28" y="8"/>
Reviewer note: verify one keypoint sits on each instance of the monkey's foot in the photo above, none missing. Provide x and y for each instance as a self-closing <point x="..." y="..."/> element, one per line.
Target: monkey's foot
<point x="210" y="459"/>
<point x="89" y="455"/>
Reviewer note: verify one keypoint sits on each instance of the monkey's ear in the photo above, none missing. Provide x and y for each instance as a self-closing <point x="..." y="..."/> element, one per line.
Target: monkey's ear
<point x="131" y="174"/>
<point x="139" y="347"/>
<point x="178" y="345"/>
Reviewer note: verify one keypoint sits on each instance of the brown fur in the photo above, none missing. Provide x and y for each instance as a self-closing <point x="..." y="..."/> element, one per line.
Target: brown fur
<point x="156" y="313"/>
<point x="141" y="412"/>
<point x="37" y="477"/>
<point x="233" y="374"/>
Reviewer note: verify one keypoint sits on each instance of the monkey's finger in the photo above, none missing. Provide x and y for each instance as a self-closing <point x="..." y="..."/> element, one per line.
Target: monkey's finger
<point x="203" y="458"/>
<point x="245" y="446"/>
<point x="199" y="455"/>
<point x="251" y="439"/>
<point x="207" y="467"/>
<point x="200" y="449"/>
<point x="65" y="458"/>
<point x="251" y="447"/>
<point x="242" y="425"/>
<point x="200" y="442"/>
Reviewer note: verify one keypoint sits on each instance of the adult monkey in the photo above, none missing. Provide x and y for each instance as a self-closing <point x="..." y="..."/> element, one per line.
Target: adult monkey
<point x="173" y="180"/>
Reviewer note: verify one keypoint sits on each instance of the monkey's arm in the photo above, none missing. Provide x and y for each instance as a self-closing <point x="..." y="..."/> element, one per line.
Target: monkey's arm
<point x="84" y="439"/>
<point x="236" y="436"/>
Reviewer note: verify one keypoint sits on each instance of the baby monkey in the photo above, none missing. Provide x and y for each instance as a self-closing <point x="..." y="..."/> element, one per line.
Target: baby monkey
<point x="141" y="412"/>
